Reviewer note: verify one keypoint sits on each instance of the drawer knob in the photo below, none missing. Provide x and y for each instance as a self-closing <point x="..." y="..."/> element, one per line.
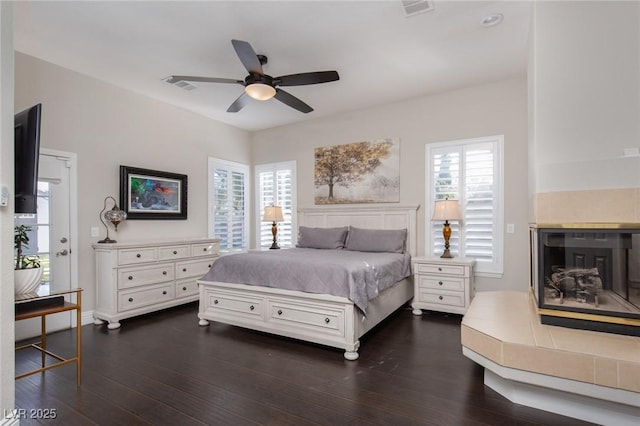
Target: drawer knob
<point x="130" y="277"/>
<point x="164" y="292"/>
<point x="439" y="269"/>
<point x="184" y="288"/>
<point x="204" y="249"/>
<point x="215" y="302"/>
<point x="279" y="311"/>
<point x="131" y="299"/>
<point x="440" y="297"/>
<point x="138" y="255"/>
<point x="326" y="320"/>
<point x="252" y="307"/>
<point x="440" y="282"/>
<point x="175" y="252"/>
<point x="209" y="266"/>
<point x="164" y="272"/>
<point x="184" y="269"/>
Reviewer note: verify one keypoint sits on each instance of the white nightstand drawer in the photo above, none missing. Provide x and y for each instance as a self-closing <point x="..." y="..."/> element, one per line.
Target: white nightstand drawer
<point x="442" y="298"/>
<point x="137" y="255"/>
<point x="132" y="299"/>
<point x="173" y="252"/>
<point x="441" y="282"/>
<point x="142" y="275"/>
<point x="429" y="268"/>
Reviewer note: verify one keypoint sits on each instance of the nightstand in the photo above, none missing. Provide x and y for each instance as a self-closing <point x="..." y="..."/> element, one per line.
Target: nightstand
<point x="444" y="285"/>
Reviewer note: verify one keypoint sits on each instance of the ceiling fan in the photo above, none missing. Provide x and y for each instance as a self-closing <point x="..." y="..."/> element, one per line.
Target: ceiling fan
<point x="260" y="86"/>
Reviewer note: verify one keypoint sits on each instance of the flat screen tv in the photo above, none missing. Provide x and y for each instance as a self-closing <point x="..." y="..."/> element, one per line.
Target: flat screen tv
<point x="27" y="152"/>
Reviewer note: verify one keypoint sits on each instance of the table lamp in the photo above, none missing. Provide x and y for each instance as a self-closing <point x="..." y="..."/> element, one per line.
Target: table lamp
<point x="273" y="214"/>
<point x="446" y="210"/>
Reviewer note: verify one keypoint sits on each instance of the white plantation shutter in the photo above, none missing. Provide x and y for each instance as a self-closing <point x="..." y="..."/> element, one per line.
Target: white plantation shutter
<point x="228" y="204"/>
<point x="469" y="171"/>
<point x="275" y="185"/>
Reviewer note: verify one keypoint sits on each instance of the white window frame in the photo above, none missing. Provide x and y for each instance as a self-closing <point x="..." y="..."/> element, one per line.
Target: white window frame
<point x="231" y="166"/>
<point x="496" y="268"/>
<point x="274" y="167"/>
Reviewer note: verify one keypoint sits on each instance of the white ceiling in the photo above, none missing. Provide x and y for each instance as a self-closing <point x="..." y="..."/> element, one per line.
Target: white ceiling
<point x="381" y="55"/>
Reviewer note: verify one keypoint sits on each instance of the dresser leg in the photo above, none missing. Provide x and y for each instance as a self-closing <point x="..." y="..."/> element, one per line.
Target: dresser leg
<point x="97" y="321"/>
<point x="351" y="355"/>
<point x="113" y="325"/>
<point x="203" y="322"/>
<point x="416" y="311"/>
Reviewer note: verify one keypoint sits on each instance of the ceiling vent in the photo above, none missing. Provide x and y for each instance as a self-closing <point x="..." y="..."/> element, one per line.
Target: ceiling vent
<point x="184" y="85"/>
<point x="413" y="7"/>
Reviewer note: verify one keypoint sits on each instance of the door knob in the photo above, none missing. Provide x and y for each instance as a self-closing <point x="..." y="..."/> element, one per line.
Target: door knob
<point x="63" y="240"/>
<point x="62" y="253"/>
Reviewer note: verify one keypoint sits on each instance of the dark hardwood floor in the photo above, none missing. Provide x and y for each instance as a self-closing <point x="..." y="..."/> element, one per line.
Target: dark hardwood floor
<point x="164" y="369"/>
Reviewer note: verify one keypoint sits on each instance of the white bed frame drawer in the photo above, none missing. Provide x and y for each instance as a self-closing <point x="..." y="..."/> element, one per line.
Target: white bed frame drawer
<point x="132" y="299"/>
<point x="307" y="317"/>
<point x="142" y="275"/>
<point x="231" y="305"/>
<point x="443" y="283"/>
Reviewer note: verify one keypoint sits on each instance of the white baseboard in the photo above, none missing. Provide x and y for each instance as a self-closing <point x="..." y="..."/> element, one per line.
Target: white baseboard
<point x="87" y="317"/>
<point x="584" y="401"/>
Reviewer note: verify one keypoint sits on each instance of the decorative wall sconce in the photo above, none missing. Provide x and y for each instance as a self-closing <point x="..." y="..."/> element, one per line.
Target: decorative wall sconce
<point x="114" y="215"/>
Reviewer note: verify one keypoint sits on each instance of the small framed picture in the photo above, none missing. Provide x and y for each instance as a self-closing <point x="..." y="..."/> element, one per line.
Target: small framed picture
<point x="152" y="194"/>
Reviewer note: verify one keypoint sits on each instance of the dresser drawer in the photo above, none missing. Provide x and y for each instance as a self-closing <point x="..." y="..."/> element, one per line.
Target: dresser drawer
<point x="186" y="288"/>
<point x="205" y="249"/>
<point x="441" y="282"/>
<point x="429" y="268"/>
<point x="173" y="252"/>
<point x="196" y="268"/>
<point x="449" y="299"/>
<point x="150" y="295"/>
<point x="143" y="275"/>
<point x="306" y="317"/>
<point x="139" y="255"/>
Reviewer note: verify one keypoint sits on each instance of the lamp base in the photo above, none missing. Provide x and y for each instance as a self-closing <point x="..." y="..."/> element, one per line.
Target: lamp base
<point x="107" y="241"/>
<point x="446" y="254"/>
<point x="274" y="246"/>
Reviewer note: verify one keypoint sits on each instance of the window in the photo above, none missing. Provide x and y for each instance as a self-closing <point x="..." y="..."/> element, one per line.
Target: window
<point x="228" y="204"/>
<point x="276" y="185"/>
<point x="471" y="171"/>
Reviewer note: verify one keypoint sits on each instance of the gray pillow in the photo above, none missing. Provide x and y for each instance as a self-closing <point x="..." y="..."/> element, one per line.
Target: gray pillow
<point x="377" y="240"/>
<point x="321" y="238"/>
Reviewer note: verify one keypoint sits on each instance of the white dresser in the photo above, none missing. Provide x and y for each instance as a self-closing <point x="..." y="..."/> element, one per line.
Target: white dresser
<point x="136" y="278"/>
<point x="444" y="285"/>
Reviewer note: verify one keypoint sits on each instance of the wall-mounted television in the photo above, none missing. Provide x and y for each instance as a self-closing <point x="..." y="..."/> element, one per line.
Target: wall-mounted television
<point x="27" y="152"/>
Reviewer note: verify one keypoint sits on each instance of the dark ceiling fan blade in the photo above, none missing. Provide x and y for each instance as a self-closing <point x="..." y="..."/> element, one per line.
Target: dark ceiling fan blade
<point x="176" y="78"/>
<point x="288" y="99"/>
<point x="239" y="103"/>
<point x="307" y="78"/>
<point x="247" y="56"/>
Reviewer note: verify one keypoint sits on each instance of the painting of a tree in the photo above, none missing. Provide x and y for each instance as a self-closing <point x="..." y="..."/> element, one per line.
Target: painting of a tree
<point x="360" y="172"/>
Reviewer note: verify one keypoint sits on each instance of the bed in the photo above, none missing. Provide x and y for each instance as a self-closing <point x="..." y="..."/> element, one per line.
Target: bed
<point x="327" y="319"/>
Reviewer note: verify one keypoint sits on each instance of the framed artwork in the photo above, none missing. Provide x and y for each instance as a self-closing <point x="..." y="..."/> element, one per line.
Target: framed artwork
<point x="152" y="194"/>
<point x="358" y="172"/>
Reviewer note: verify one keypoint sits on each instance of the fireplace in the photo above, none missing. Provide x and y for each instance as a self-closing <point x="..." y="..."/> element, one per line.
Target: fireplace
<point x="587" y="276"/>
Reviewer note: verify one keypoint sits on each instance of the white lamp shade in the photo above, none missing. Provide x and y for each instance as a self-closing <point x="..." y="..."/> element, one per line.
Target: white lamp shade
<point x="446" y="210"/>
<point x="272" y="214"/>
<point x="260" y="91"/>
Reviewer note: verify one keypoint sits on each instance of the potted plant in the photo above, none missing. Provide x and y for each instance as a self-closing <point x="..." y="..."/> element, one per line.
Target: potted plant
<point x="28" y="272"/>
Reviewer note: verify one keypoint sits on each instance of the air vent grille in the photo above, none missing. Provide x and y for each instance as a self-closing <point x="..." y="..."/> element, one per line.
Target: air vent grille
<point x="184" y="85"/>
<point x="413" y="7"/>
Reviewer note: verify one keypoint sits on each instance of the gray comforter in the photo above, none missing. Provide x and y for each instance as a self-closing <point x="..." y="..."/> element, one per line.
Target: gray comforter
<point x="359" y="276"/>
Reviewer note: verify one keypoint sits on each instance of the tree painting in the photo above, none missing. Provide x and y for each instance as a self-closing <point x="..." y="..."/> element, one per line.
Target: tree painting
<point x="360" y="172"/>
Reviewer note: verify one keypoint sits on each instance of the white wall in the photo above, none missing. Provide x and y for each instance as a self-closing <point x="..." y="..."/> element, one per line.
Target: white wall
<point x="7" y="362"/>
<point x="107" y="127"/>
<point x="498" y="108"/>
<point x="585" y="99"/>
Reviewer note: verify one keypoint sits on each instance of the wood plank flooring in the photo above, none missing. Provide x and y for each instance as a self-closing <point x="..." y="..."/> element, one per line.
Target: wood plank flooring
<point x="163" y="369"/>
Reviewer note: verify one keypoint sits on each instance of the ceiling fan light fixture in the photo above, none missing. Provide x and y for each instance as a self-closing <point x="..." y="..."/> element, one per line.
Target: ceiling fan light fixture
<point x="260" y="91"/>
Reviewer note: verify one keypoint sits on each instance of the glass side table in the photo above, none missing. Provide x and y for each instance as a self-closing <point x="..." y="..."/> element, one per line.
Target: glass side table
<point x="43" y="303"/>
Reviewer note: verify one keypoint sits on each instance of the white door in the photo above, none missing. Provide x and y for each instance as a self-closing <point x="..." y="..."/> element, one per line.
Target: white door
<point x="52" y="237"/>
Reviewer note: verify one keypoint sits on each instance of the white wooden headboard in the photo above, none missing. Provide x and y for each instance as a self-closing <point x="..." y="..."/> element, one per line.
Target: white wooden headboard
<point x="364" y="216"/>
